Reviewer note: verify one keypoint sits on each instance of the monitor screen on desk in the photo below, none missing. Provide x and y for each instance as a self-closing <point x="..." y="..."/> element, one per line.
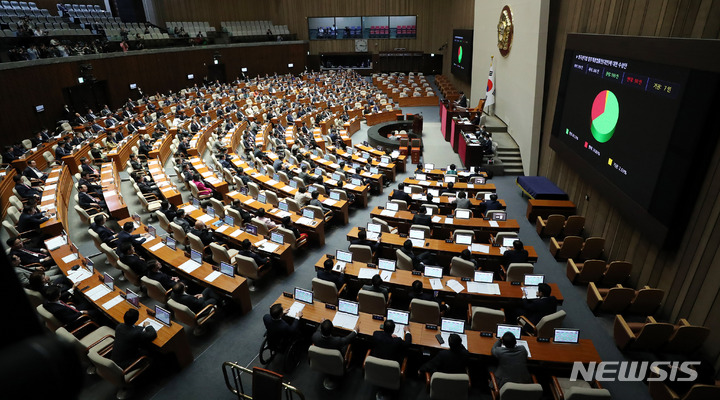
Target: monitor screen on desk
<point x="277" y="237"/>
<point x="376" y="228"/>
<point x="483" y="277"/>
<point x="392" y="206"/>
<point x="283" y="206"/>
<point x="151" y="231"/>
<point x="571" y="336"/>
<point x="365" y="155"/>
<point x="262" y="198"/>
<point x="303" y="295"/>
<point x="227" y="269"/>
<point x="386" y="265"/>
<point x="452" y="325"/>
<point x="434" y="192"/>
<point x="89" y="265"/>
<point x="417" y="234"/>
<point x="501" y="216"/>
<point x="293" y="184"/>
<point x="337" y="177"/>
<point x="170" y="242"/>
<point x="210" y="211"/>
<point x="251" y="229"/>
<point x="344" y="256"/>
<point x="433" y="272"/>
<point x="385" y="160"/>
<point x="429" y="167"/>
<point x="308" y="214"/>
<point x="108" y="281"/>
<point x="398" y="316"/>
<point x="479" y="180"/>
<point x="450" y="178"/>
<point x="514" y="329"/>
<point x="132" y="298"/>
<point x="374" y="170"/>
<point x="196" y="256"/>
<point x="348" y="307"/>
<point x="334" y="196"/>
<point x="462" y="238"/>
<point x="276" y="177"/>
<point x="407" y="189"/>
<point x="318" y="171"/>
<point x="533" y="280"/>
<point x="462" y="214"/>
<point x="229" y="220"/>
<point x="162" y="315"/>
<point x="420" y="177"/>
<point x="356" y="182"/>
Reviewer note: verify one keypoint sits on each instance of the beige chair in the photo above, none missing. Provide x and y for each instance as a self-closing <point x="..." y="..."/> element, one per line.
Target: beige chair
<point x="461" y="268"/>
<point x="235" y="214"/>
<point x="110" y="255"/>
<point x="89" y="338"/>
<point x="614" y="300"/>
<point x="384" y="226"/>
<point x="319" y="188"/>
<point x="646" y="302"/>
<point x="289" y="238"/>
<point x="35" y="298"/>
<point x="330" y="362"/>
<point x="248" y="268"/>
<point x="387" y="374"/>
<point x="221" y="253"/>
<point x="568" y="248"/>
<point x="196" y="193"/>
<point x="187" y="317"/>
<point x="163" y="221"/>
<point x="574" y="225"/>
<point x="515" y="391"/>
<point x="457" y="232"/>
<point x="362" y="253"/>
<point x="617" y="272"/>
<point x="51" y="322"/>
<point x="373" y="302"/>
<point x="566" y="389"/>
<point x="293" y="206"/>
<point x="326" y="291"/>
<point x="516" y="272"/>
<point x="424" y="312"/>
<point x="155" y="290"/>
<point x="271" y="198"/>
<point x="318" y="213"/>
<point x="219" y="208"/>
<point x="404" y="262"/>
<point x="14" y="214"/>
<point x="178" y="233"/>
<point x="262" y="228"/>
<point x="86" y="216"/>
<point x="485" y="319"/>
<point x="149" y="206"/>
<point x="424" y="228"/>
<point x="552" y="226"/>
<point x="592" y="248"/>
<point x="659" y="390"/>
<point x="129" y="274"/>
<point x="589" y="271"/>
<point x="501" y="236"/>
<point x="119" y="377"/>
<point x="402" y="204"/>
<point x="448" y="386"/>
<point x="545" y="328"/>
<point x="300" y="182"/>
<point x="638" y="336"/>
<point x="197" y="244"/>
<point x="96" y="239"/>
<point x="687" y="338"/>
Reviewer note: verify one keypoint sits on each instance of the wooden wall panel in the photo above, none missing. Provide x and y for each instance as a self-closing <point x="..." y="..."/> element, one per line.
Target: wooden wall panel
<point x="27" y="87"/>
<point x="690" y="274"/>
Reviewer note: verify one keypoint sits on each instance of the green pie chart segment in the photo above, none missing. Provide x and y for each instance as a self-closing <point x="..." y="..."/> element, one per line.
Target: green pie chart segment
<point x="604" y="116"/>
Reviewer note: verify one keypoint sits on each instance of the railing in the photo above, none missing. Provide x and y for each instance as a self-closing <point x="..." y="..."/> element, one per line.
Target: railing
<point x="233" y="373"/>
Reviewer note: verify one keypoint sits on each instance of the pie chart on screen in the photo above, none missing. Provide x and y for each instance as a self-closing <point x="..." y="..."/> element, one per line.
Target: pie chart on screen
<point x="604" y="116"/>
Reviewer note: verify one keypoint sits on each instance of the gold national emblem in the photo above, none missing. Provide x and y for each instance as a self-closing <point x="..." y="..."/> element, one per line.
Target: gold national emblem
<point x="505" y="31"/>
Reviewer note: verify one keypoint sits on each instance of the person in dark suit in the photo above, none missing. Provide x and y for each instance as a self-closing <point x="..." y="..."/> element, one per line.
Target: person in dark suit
<point x="376" y="286"/>
<point x="400" y="194"/>
<point x="41" y="282"/>
<point x="247" y="252"/>
<point x="324" y="338"/>
<point x="196" y="302"/>
<point x="33" y="173"/>
<point x="184" y="146"/>
<point x="60" y="150"/>
<point x="93" y="189"/>
<point x="407" y="248"/>
<point x="449" y="191"/>
<point x="29" y="255"/>
<point x="107" y="235"/>
<point x="518" y="254"/>
<point x="244" y="214"/>
<point x="279" y="332"/>
<point x="30" y="219"/>
<point x="8" y="155"/>
<point x="327" y="274"/>
<point x="126" y="235"/>
<point x="156" y="273"/>
<point x="169" y="210"/>
<point x="181" y="220"/>
<point x="25" y="191"/>
<point x="493" y="203"/>
<point x="86" y="201"/>
<point x="535" y="309"/>
<point x="131" y="259"/>
<point x="387" y="346"/>
<point x="68" y="315"/>
<point x="130" y="339"/>
<point x="363" y="241"/>
<point x="452" y="361"/>
<point x="462" y="101"/>
<point x="118" y="136"/>
<point x="512" y="360"/>
<point x="201" y="230"/>
<point x="421" y="218"/>
<point x="143" y="148"/>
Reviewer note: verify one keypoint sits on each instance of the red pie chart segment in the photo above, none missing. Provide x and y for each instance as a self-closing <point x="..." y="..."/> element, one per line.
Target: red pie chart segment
<point x="604" y="116"/>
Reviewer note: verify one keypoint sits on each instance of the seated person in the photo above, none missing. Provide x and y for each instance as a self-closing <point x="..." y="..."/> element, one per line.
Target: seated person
<point x="107" y="235"/>
<point x="127" y="255"/>
<point x="400" y="194"/>
<point x="421" y="218"/>
<point x="417" y="260"/>
<point x="418" y="293"/>
<point x="288" y="224"/>
<point x="155" y="273"/>
<point x="68" y="315"/>
<point x="202" y="189"/>
<point x="41" y="282"/>
<point x="23" y="272"/>
<point x="86" y="201"/>
<point x="512" y="361"/>
<point x="327" y="274"/>
<point x="147" y="186"/>
<point x="302" y="197"/>
<point x="493" y="203"/>
<point x="261" y="215"/>
<point x="449" y="361"/>
<point x="25" y="191"/>
<point x="34" y="174"/>
<point x="93" y="188"/>
<point x="517" y="254"/>
<point x="387" y="346"/>
<point x="350" y="196"/>
<point x="29" y="255"/>
<point x="467" y="256"/>
<point x="126" y="235"/>
<point x="363" y="241"/>
<point x="535" y="309"/>
<point x="317" y="203"/>
<point x="247" y="252"/>
<point x="30" y="219"/>
<point x="279" y="332"/>
<point x="324" y="338"/>
<point x="376" y="286"/>
<point x="462" y="202"/>
<point x="181" y="220"/>
<point x="449" y="191"/>
<point x="244" y="214"/>
<point x="196" y="302"/>
<point x="169" y="210"/>
<point x="452" y="170"/>
<point x="130" y="339"/>
<point x="86" y="166"/>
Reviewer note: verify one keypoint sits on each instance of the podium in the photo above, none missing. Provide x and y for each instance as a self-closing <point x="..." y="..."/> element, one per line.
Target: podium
<point x="417" y="126"/>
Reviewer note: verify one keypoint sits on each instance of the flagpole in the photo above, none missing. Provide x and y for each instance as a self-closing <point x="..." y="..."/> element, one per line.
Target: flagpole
<point x="490" y="91"/>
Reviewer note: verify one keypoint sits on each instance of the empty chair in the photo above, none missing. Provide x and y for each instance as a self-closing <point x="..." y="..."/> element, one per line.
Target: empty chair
<point x="248" y="268"/>
<point x="404" y="262"/>
<point x="155" y="290"/>
<point x="568" y="248"/>
<point x="402" y="204"/>
<point x="646" y="302"/>
<point x="424" y="311"/>
<point x="448" y="386"/>
<point x="461" y="268"/>
<point x="110" y="255"/>
<point x="362" y="253"/>
<point x="614" y="300"/>
<point x="589" y="271"/>
<point x="426" y="229"/>
<point x="112" y="372"/>
<point x="566" y="389"/>
<point x="515" y="391"/>
<point x="686" y="339"/>
<point x="638" y="336"/>
<point x="501" y="236"/>
<point x="95" y="340"/>
<point x="222" y="254"/>
<point x="659" y="390"/>
<point x="552" y="226"/>
<point x="219" y="208"/>
<point x="387" y="374"/>
<point x="462" y="232"/>
<point x="485" y="319"/>
<point x="592" y="248"/>
<point x="329" y="362"/>
<point x="384" y="226"/>
<point x="178" y="233"/>
<point x="516" y="271"/>
<point x="372" y="302"/>
<point x="545" y="328"/>
<point x="574" y="225"/>
<point x="186" y="316"/>
<point x="616" y="272"/>
<point x="326" y="291"/>
<point x="271" y="198"/>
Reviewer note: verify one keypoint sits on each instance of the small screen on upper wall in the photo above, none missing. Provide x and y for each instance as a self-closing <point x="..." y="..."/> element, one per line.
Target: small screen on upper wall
<point x="462" y="49"/>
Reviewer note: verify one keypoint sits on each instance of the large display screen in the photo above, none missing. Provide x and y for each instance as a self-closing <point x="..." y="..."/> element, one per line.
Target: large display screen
<point x="462" y="46"/>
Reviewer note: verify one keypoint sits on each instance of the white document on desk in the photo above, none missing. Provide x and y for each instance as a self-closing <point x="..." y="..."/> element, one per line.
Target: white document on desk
<point x="249" y="201"/>
<point x="269" y="247"/>
<point x="204" y="218"/>
<point x="79" y="275"/>
<point x="367" y="273"/>
<point x="287" y="188"/>
<point x="449" y="221"/>
<point x="213" y="275"/>
<point x="154" y="170"/>
<point x="436" y="284"/>
<point x="345" y="320"/>
<point x="236" y="233"/>
<point x="271" y="182"/>
<point x="329" y="202"/>
<point x="206" y="174"/>
<point x="418" y="242"/>
<point x="387" y="213"/>
<point x="530" y="292"/>
<point x="480" y="248"/>
<point x="112" y="303"/>
<point x="189" y="266"/>
<point x="436" y="219"/>
<point x="189" y="209"/>
<point x="214" y="181"/>
<point x="222" y="228"/>
<point x="424" y="183"/>
<point x="48" y="197"/>
<point x="304" y="221"/>
<point x="494" y="224"/>
<point x="294" y="309"/>
<point x="470" y="186"/>
<point x="524" y="344"/>
<point x="233" y="193"/>
<point x="97" y="292"/>
<point x="157" y="246"/>
<point x="483" y="288"/>
<point x="53" y="179"/>
<point x="152" y="322"/>
<point x="69" y="258"/>
<point x="51" y="187"/>
<point x="386" y="275"/>
<point x="456" y="286"/>
<point x="55" y="242"/>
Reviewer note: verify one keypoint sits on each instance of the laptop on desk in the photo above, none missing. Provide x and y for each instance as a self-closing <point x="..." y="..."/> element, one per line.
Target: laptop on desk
<point x="341" y="258"/>
<point x="347" y="314"/>
<point x="449" y="326"/>
<point x="401" y="319"/>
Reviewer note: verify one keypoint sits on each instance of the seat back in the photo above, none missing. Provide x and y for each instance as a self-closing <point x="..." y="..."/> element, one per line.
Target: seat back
<point x="36" y="298"/>
<point x="521" y="391"/>
<point x="361" y="253"/>
<point x="319" y="188"/>
<point x="219" y="254"/>
<point x="646" y="301"/>
<point x="51" y="322"/>
<point x="293" y="206"/>
<point x="486" y="319"/>
<point x="195" y="243"/>
<point x="288" y="236"/>
<point x="14" y="214"/>
<point x="155" y="290"/>
<point x="317" y="212"/>
<point x="586" y="393"/>
<point x="592" y="248"/>
<point x="178" y="233"/>
<point x="382" y="373"/>
<point x="325" y="291"/>
<point x="553" y="225"/>
<point x="687" y="338"/>
<point x="96" y="239"/>
<point x="182" y="313"/>
<point x="505" y="235"/>
<point x="416" y="189"/>
<point x="461" y="268"/>
<point x="652" y="336"/>
<point x="247" y="267"/>
<point x="253" y="189"/>
<point x="574" y="225"/>
<point x="617" y="300"/>
<point x="424" y="311"/>
<point x="271" y="198"/>
<point x="162" y="219"/>
<point x="262" y="229"/>
<point x="592" y="271"/>
<point x="516" y="271"/>
<point x="449" y="386"/>
<point x="84" y="216"/>
<point x="219" y="207"/>
<point x="129" y="274"/>
<point x="372" y="302"/>
<point x="107" y="369"/>
<point x="342" y="195"/>
<point x="328" y="361"/>
<point x="546" y="326"/>
<point x="616" y="272"/>
<point x="384" y="226"/>
<point x="402" y="204"/>
<point x="404" y="262"/>
<point x="570" y="247"/>
<point x="424" y="228"/>
<point x="110" y="254"/>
